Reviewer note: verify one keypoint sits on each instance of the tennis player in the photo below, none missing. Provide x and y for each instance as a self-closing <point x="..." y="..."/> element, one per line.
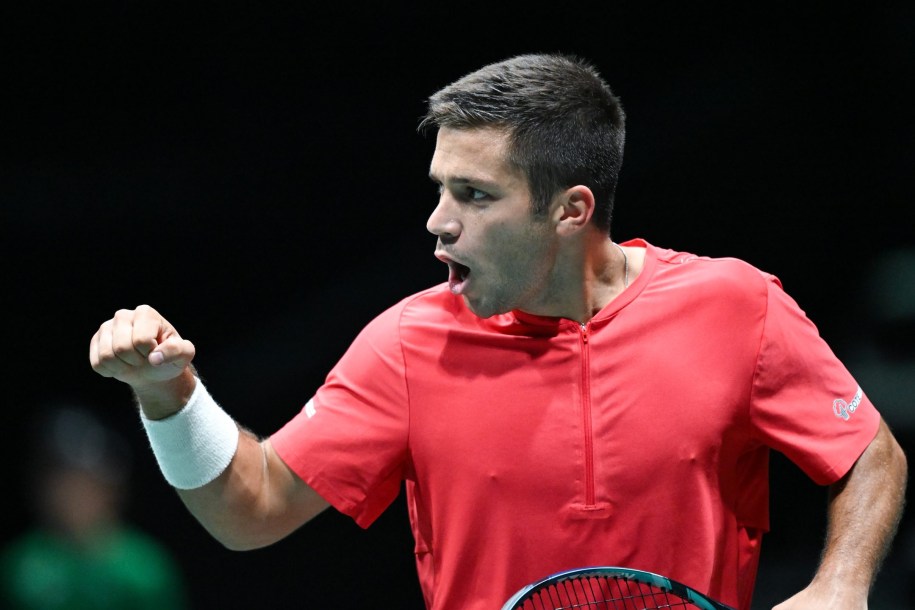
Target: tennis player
<point x="562" y="400"/>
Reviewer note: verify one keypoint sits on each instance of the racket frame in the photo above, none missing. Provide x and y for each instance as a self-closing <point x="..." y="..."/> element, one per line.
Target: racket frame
<point x="685" y="592"/>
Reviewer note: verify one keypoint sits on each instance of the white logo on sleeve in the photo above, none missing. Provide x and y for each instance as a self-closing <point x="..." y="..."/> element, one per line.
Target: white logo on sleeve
<point x="310" y="410"/>
<point x="844" y="410"/>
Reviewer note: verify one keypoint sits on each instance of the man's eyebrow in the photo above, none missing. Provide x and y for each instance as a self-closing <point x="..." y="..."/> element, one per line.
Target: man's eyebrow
<point x="459" y="180"/>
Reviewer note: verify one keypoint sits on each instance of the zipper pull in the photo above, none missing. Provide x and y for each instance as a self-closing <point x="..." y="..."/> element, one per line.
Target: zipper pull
<point x="584" y="332"/>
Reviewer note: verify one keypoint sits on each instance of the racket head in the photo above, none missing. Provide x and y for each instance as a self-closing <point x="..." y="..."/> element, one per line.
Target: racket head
<point x="609" y="588"/>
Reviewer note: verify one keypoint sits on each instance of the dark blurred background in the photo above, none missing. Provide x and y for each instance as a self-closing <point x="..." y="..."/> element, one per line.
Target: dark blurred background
<point x="253" y="171"/>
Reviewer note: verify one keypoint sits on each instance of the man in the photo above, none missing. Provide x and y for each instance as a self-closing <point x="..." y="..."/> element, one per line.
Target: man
<point x="81" y="552"/>
<point x="562" y="401"/>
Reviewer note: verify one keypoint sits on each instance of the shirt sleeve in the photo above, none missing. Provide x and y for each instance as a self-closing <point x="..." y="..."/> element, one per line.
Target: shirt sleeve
<point x="805" y="403"/>
<point x="349" y="442"/>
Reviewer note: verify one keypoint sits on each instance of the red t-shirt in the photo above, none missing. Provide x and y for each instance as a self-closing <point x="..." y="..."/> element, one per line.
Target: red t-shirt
<point x="531" y="445"/>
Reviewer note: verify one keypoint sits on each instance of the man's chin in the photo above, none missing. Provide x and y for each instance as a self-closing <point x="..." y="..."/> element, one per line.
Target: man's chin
<point x="483" y="309"/>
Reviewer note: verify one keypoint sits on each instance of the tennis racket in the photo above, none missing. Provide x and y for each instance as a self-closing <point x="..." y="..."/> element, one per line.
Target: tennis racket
<point x="609" y="588"/>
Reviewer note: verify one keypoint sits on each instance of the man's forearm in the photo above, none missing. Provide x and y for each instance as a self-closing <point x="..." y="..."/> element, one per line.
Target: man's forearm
<point x="865" y="507"/>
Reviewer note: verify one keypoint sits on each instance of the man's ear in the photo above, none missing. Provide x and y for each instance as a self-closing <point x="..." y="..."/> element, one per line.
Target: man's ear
<point x="573" y="209"/>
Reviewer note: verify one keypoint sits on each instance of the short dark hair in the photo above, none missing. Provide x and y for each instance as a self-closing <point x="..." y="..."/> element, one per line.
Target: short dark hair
<point x="70" y="436"/>
<point x="565" y="125"/>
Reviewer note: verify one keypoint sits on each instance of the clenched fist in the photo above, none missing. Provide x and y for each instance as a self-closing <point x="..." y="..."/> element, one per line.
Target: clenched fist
<point x="142" y="349"/>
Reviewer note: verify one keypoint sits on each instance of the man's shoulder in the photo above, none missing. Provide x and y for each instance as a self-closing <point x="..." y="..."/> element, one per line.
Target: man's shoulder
<point x="711" y="266"/>
<point x="711" y="276"/>
<point x="432" y="307"/>
<point x="429" y="301"/>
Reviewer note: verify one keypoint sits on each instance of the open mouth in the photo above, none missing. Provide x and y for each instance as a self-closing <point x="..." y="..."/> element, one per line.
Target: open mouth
<point x="457" y="276"/>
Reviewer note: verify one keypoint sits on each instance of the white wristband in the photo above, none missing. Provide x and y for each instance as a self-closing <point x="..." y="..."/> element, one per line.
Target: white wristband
<point x="194" y="445"/>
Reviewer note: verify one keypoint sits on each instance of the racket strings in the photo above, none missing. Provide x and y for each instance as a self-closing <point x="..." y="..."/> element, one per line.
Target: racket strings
<point x="603" y="593"/>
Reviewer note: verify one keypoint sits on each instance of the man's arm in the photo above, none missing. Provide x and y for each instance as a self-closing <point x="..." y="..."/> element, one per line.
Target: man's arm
<point x="865" y="507"/>
<point x="257" y="499"/>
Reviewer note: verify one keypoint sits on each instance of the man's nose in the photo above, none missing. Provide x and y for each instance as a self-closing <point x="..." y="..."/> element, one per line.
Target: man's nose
<point x="443" y="221"/>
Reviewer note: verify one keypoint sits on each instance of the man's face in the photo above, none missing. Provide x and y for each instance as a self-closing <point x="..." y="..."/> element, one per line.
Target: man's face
<point x="499" y="255"/>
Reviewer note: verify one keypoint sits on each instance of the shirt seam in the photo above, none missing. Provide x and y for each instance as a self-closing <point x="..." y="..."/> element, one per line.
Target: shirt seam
<point x="759" y="349"/>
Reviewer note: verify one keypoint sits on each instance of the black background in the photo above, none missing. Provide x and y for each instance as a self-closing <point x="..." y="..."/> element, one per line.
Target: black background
<point x="254" y="173"/>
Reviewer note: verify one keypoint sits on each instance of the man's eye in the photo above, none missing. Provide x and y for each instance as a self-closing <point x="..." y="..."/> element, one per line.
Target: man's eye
<point x="463" y="194"/>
